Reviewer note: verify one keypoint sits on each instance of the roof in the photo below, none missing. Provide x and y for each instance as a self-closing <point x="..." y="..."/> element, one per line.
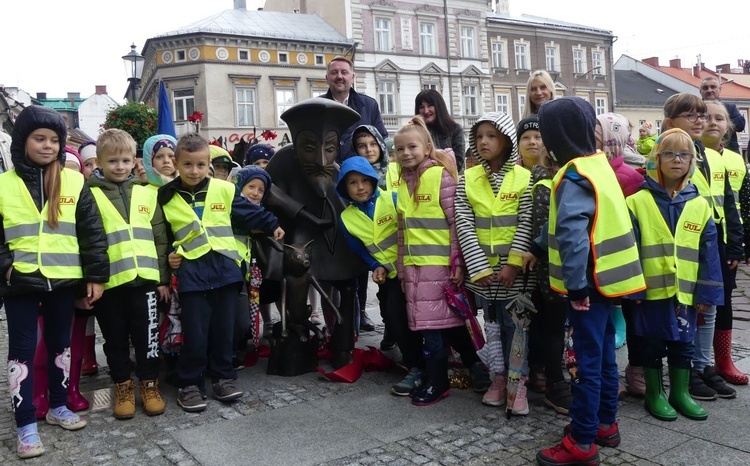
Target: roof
<point x="729" y="91"/>
<point x="62" y="104"/>
<point x="546" y="22"/>
<point x="267" y="24"/>
<point x="636" y="90"/>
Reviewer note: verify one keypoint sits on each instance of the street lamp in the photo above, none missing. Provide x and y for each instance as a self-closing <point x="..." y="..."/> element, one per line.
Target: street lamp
<point x="575" y="83"/>
<point x="133" y="69"/>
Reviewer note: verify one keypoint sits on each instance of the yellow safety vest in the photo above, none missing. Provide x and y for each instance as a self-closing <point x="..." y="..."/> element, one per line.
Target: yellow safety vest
<point x="712" y="190"/>
<point x="195" y="236"/>
<point x="393" y="177"/>
<point x="617" y="268"/>
<point x="34" y="243"/>
<point x="379" y="234"/>
<point x="495" y="217"/>
<point x="131" y="248"/>
<point x="547" y="182"/>
<point x="427" y="239"/>
<point x="670" y="262"/>
<point x="736" y="170"/>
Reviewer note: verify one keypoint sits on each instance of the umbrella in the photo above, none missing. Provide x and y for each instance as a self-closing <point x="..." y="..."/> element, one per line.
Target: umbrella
<point x="165" y="124"/>
<point x="253" y="293"/>
<point x="521" y="311"/>
<point x="459" y="302"/>
<point x="170" y="331"/>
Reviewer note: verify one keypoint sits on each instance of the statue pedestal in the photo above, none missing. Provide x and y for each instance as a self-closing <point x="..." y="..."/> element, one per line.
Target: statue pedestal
<point x="289" y="355"/>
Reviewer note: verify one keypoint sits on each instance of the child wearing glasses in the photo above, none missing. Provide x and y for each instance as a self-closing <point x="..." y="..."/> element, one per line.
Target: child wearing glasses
<point x="689" y="113"/>
<point x="677" y="240"/>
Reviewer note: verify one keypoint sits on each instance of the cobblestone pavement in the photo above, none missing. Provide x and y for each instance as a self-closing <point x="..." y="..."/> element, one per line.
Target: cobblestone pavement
<point x="486" y="438"/>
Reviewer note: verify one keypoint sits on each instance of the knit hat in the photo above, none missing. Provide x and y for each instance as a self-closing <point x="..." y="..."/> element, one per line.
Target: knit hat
<point x="28" y="121"/>
<point x="72" y="155"/>
<point x="87" y="150"/>
<point x="648" y="127"/>
<point x="259" y="152"/>
<point x="530" y="123"/>
<point x="248" y="173"/>
<point x="568" y="127"/>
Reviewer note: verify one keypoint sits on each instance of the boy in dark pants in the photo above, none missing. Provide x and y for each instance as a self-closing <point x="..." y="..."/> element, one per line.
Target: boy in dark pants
<point x="202" y="214"/>
<point x="593" y="258"/>
<point x="137" y="249"/>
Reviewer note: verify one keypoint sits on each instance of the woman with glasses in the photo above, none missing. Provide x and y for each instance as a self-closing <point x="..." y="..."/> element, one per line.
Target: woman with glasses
<point x="689" y="113"/>
<point x="718" y="125"/>
<point x="677" y="239"/>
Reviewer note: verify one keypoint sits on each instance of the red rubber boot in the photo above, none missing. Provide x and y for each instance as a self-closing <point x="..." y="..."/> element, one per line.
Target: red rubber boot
<point x="723" y="354"/>
<point x="41" y="379"/>
<point x="76" y="401"/>
<point x="89" y="350"/>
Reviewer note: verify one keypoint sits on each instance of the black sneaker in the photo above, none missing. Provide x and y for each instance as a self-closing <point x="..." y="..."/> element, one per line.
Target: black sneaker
<point x="558" y="396"/>
<point x="225" y="390"/>
<point x="237" y="363"/>
<point x="698" y="388"/>
<point x="190" y="399"/>
<point x="480" y="377"/>
<point x="387" y="345"/>
<point x="717" y="384"/>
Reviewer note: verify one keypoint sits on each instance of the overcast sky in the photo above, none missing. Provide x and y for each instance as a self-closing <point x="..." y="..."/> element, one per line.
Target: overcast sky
<point x="58" y="46"/>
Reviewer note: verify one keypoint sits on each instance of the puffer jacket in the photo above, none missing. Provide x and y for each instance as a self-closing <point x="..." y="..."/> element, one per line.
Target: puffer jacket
<point x="427" y="308"/>
<point x="629" y="178"/>
<point x="92" y="240"/>
<point x="120" y="195"/>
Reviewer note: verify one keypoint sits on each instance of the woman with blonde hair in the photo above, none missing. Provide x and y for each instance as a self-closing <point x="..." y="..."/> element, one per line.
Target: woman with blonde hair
<point x="539" y="88"/>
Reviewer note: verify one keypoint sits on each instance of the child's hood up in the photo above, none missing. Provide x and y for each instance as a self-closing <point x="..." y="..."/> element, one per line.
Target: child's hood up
<point x="31" y="119"/>
<point x="373" y="131"/>
<point x="568" y="127"/>
<point x="355" y="164"/>
<point x="151" y="147"/>
<point x="652" y="163"/>
<point x="504" y="123"/>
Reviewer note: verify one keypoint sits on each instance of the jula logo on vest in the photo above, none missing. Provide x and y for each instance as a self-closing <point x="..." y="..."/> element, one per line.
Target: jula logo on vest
<point x="718" y="176"/>
<point x="385" y="219"/>
<point x="143" y="209"/>
<point x="508" y="196"/>
<point x="690" y="226"/>
<point x="424" y="197"/>
<point x="218" y="207"/>
<point x="67" y="200"/>
<point x="733" y="173"/>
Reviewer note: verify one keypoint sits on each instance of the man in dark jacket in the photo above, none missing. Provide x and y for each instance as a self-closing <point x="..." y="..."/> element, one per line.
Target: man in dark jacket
<point x="711" y="90"/>
<point x="340" y="76"/>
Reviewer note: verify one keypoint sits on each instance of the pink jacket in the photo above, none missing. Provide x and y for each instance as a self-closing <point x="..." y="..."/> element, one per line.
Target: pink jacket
<point x="630" y="180"/>
<point x="427" y="308"/>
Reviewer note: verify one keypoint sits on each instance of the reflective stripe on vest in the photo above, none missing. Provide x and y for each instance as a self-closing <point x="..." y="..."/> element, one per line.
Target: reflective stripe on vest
<point x="617" y="268"/>
<point x="195" y="237"/>
<point x="736" y="170"/>
<point x="495" y="217"/>
<point x="379" y="234"/>
<point x="670" y="262"/>
<point x="34" y="243"/>
<point x="131" y="248"/>
<point x="427" y="239"/>
<point x="393" y="177"/>
<point x="712" y="190"/>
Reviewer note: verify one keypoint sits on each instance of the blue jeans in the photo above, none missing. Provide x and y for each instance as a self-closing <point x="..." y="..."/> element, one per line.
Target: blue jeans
<point x="704" y="340"/>
<point x="595" y="383"/>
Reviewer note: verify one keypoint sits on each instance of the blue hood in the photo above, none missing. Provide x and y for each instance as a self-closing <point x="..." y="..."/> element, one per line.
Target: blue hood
<point x="568" y="127"/>
<point x="355" y="164"/>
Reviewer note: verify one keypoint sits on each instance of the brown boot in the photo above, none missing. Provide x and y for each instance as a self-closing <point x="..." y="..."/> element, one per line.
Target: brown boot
<point x="124" y="400"/>
<point x="153" y="404"/>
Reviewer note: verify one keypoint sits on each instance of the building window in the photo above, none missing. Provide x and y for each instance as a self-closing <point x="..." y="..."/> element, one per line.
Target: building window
<point x="657" y="125"/>
<point x="283" y="57"/>
<point x="243" y="55"/>
<point x="318" y="91"/>
<point x="600" y="104"/>
<point x="552" y="57"/>
<point x="429" y="86"/>
<point x="285" y="98"/>
<point x="470" y="100"/>
<point x="427" y="39"/>
<point x="502" y="103"/>
<point x="499" y="56"/>
<point x="320" y="60"/>
<point x="180" y="55"/>
<point x="383" y="42"/>
<point x="467" y="42"/>
<point x="184" y="103"/>
<point x="597" y="61"/>
<point x="521" y="104"/>
<point x="245" y="106"/>
<point x="579" y="61"/>
<point x="387" y="97"/>
<point x="522" y="56"/>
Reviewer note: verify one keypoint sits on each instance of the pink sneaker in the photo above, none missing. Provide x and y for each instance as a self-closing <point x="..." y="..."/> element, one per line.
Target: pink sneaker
<point x="495" y="395"/>
<point x="635" y="380"/>
<point x="521" y="404"/>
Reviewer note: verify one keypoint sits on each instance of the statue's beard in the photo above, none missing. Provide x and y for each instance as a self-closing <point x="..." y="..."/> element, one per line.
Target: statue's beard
<point x="319" y="178"/>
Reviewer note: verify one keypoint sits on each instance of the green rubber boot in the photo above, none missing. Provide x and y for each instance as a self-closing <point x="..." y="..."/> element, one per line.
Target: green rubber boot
<point x="679" y="396"/>
<point x="656" y="400"/>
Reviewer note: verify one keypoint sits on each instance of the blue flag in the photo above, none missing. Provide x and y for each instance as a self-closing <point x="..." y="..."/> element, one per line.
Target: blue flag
<point x="165" y="124"/>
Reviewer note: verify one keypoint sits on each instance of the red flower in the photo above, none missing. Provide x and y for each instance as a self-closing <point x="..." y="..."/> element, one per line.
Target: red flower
<point x="268" y="135"/>
<point x="195" y="117"/>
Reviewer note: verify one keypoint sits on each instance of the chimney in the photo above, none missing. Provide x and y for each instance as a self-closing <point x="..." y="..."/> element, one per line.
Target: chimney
<point x="651" y="61"/>
<point x="697" y="71"/>
<point x="74" y="95"/>
<point x="41" y="95"/>
<point x="723" y="69"/>
<point x="240" y="4"/>
<point x="101" y="90"/>
<point x="675" y="63"/>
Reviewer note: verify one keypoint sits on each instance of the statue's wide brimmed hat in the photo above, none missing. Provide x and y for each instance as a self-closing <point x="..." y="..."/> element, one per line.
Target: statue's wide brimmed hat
<point x="320" y="116"/>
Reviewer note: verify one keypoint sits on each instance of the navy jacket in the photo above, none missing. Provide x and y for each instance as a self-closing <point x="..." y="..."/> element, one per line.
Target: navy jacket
<point x="369" y="112"/>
